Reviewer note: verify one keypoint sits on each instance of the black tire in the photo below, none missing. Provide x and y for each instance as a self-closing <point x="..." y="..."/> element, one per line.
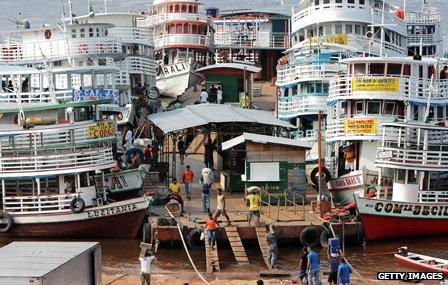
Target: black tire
<point x="314" y="173"/>
<point x="310" y="236"/>
<point x="6" y="222"/>
<point x="77" y="205"/>
<point x="324" y="236"/>
<point x="194" y="239"/>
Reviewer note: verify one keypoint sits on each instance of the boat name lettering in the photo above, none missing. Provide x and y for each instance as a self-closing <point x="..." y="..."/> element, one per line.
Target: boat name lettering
<point x="111" y="211"/>
<point x="171" y="69"/>
<point x="118" y="182"/>
<point x="346" y="182"/>
<point x="95" y="94"/>
<point x="436" y="210"/>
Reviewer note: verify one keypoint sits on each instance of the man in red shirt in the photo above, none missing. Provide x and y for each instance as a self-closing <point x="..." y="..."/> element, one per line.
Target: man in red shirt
<point x="187" y="179"/>
<point x="147" y="153"/>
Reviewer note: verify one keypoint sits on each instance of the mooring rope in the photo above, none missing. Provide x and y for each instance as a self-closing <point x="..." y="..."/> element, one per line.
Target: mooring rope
<point x="186" y="248"/>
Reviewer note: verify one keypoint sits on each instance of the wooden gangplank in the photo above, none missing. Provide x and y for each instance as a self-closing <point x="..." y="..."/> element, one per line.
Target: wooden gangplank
<point x="211" y="257"/>
<point x="237" y="245"/>
<point x="261" y="235"/>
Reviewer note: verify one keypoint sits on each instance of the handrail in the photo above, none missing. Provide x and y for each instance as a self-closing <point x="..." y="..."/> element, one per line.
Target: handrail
<point x="279" y="196"/>
<point x="185" y="39"/>
<point x="294" y="204"/>
<point x="44" y="203"/>
<point x="268" y="204"/>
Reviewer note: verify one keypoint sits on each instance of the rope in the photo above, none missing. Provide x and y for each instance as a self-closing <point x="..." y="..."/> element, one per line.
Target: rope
<point x="186" y="248"/>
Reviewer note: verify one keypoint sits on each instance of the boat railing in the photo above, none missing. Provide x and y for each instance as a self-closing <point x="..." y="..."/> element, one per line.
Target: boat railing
<point x="272" y="205"/>
<point x="122" y="78"/>
<point x="422" y="38"/>
<point x="412" y="133"/>
<point x="183" y="39"/>
<point x="95" y="46"/>
<point x="157" y="19"/>
<point x="302" y="72"/>
<point x="35" y="97"/>
<point x="300" y="105"/>
<point x="421" y="17"/>
<point x="42" y="203"/>
<point x="133" y="34"/>
<point x="251" y="39"/>
<point x="433" y="196"/>
<point x="139" y="64"/>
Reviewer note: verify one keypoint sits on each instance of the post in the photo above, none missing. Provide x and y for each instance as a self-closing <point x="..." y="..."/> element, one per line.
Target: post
<point x="103" y="180"/>
<point x="319" y="160"/>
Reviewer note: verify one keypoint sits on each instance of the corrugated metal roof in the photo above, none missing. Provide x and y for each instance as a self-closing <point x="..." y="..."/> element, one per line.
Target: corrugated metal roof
<point x="203" y="114"/>
<point x="239" y="66"/>
<point x="263" y="139"/>
<point x="36" y="259"/>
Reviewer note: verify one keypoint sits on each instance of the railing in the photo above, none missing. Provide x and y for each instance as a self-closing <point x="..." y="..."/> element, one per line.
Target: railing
<point x="133" y="35"/>
<point x="289" y="73"/>
<point x="23" y="166"/>
<point x="423" y="18"/>
<point x="411" y="89"/>
<point x="183" y="39"/>
<point x="158" y="19"/>
<point x="44" y="203"/>
<point x="307" y="134"/>
<point x="122" y="78"/>
<point x="95" y="46"/>
<point x="274" y="211"/>
<point x="35" y="97"/>
<point x="433" y="197"/>
<point x="417" y="39"/>
<point x="300" y="105"/>
<point x="139" y="64"/>
<point x="292" y="203"/>
<point x="413" y="159"/>
<point x="251" y="39"/>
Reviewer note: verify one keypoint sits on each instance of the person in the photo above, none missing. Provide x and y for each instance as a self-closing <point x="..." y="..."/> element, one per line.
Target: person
<point x="210" y="225"/>
<point x="334" y="264"/>
<point x="119" y="165"/>
<point x="145" y="267"/>
<point x="245" y="101"/>
<point x="303" y="276"/>
<point x="147" y="153"/>
<point x="204" y="96"/>
<point x="209" y="147"/>
<point x="129" y="138"/>
<point x="187" y="180"/>
<point x="174" y="188"/>
<point x="219" y="95"/>
<point x="444" y="73"/>
<point x="254" y="207"/>
<point x="344" y="271"/>
<point x="155" y="152"/>
<point x="205" y="195"/>
<point x="271" y="240"/>
<point x="181" y="148"/>
<point x="313" y="267"/>
<point x="213" y="93"/>
<point x="135" y="160"/>
<point x="260" y="282"/>
<point x="221" y="207"/>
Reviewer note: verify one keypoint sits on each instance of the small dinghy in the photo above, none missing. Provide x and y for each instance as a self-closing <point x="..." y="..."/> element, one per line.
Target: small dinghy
<point x="421" y="262"/>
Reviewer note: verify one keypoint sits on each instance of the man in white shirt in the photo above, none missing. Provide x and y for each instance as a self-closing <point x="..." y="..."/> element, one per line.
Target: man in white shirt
<point x="129" y="138"/>
<point x="219" y="95"/>
<point x="204" y="96"/>
<point x="145" y="264"/>
<point x="221" y="207"/>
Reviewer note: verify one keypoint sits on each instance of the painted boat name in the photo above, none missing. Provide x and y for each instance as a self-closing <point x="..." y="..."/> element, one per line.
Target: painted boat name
<point x="436" y="210"/>
<point x="111" y="211"/>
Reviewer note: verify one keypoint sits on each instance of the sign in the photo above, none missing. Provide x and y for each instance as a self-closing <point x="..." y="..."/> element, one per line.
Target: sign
<point x="340" y="39"/>
<point x="384" y="154"/>
<point x="345" y="183"/>
<point x="111" y="211"/>
<point x="360" y="126"/>
<point x="375" y="84"/>
<point x="170" y="70"/>
<point x="101" y="130"/>
<point x="95" y="94"/>
<point x="416" y="210"/>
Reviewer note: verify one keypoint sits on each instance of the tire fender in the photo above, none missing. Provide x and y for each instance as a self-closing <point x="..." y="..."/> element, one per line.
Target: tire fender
<point x="6" y="222"/>
<point x="314" y="173"/>
<point x="77" y="205"/>
<point x="194" y="239"/>
<point x="310" y="236"/>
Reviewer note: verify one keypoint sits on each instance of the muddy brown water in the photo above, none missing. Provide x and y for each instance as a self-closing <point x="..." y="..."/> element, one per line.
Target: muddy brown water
<point x="120" y="256"/>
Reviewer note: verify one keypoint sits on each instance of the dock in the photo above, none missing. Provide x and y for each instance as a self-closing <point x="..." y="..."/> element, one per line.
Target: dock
<point x="261" y="236"/>
<point x="237" y="246"/>
<point x="211" y="257"/>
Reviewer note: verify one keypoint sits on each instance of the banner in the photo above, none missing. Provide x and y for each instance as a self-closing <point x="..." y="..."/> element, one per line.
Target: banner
<point x="340" y="39"/>
<point x="101" y="130"/>
<point x="375" y="84"/>
<point x="360" y="126"/>
<point x="95" y="94"/>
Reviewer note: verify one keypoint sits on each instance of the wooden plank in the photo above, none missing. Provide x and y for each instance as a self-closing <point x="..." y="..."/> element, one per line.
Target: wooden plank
<point x="211" y="257"/>
<point x="237" y="245"/>
<point x="261" y="235"/>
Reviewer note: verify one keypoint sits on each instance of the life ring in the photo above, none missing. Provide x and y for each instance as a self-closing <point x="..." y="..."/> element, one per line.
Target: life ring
<point x="310" y="236"/>
<point x="6" y="222"/>
<point x="83" y="48"/>
<point x="77" y="205"/>
<point x="324" y="236"/>
<point x="194" y="239"/>
<point x="314" y="173"/>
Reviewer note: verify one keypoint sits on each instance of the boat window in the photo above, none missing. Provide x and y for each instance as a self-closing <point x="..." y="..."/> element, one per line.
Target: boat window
<point x="184" y="8"/>
<point x="328" y="30"/>
<point x="185" y="28"/>
<point x="360" y="68"/>
<point x="98" y="32"/>
<point x="318" y="88"/>
<point x="325" y="88"/>
<point x="190" y="9"/>
<point x="310" y="88"/>
<point x="439" y="113"/>
<point x="373" y="107"/>
<point x="364" y="29"/>
<point x="83" y="33"/>
<point x="359" y="107"/>
<point x="376" y="68"/>
<point x="338" y="1"/>
<point x="406" y="70"/>
<point x="74" y="33"/>
<point x="316" y="2"/>
<point x="389" y="108"/>
<point x="321" y="31"/>
<point x="400" y="175"/>
<point x="350" y="1"/>
<point x="362" y="2"/>
<point x="326" y="1"/>
<point x="106" y="32"/>
<point x="338" y="29"/>
<point x="348" y="29"/>
<point x="412" y="177"/>
<point x="393" y="68"/>
<point x="358" y="29"/>
<point x="91" y="32"/>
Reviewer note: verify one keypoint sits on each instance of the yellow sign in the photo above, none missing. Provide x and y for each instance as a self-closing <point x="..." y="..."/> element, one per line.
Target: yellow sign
<point x="360" y="126"/>
<point x="375" y="84"/>
<point x="101" y="130"/>
<point x="340" y="39"/>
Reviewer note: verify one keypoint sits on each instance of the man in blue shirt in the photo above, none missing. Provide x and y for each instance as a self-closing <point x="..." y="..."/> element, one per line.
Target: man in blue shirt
<point x="313" y="267"/>
<point x="344" y="271"/>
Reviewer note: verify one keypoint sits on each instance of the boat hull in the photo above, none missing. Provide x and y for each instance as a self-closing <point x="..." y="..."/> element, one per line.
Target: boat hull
<point x="383" y="219"/>
<point x="345" y="188"/>
<point x="420" y="266"/>
<point x="120" y="220"/>
<point x="172" y="80"/>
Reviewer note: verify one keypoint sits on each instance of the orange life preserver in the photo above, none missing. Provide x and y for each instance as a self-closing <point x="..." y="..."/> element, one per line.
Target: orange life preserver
<point x="283" y="60"/>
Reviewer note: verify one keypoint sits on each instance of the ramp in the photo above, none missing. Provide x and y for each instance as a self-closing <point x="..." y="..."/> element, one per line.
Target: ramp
<point x="237" y="245"/>
<point x="261" y="236"/>
<point x="211" y="257"/>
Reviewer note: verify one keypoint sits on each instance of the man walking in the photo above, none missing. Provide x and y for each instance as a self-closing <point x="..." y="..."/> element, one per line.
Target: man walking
<point x="204" y="96"/>
<point x="271" y="240"/>
<point x="313" y="267"/>
<point x="303" y="276"/>
<point x="254" y="207"/>
<point x="221" y="207"/>
<point x="334" y="265"/>
<point x="146" y="258"/>
<point x="187" y="180"/>
<point x="205" y="195"/>
<point x="344" y="271"/>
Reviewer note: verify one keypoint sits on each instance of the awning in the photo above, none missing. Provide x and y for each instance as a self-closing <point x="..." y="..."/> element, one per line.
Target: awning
<point x="203" y="114"/>
<point x="264" y="140"/>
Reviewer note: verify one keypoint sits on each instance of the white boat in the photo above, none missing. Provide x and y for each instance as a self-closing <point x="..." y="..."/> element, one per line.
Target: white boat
<point x="421" y="262"/>
<point x="183" y="38"/>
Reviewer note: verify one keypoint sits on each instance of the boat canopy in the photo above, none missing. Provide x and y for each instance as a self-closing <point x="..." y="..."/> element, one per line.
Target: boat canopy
<point x="203" y="114"/>
<point x="264" y="140"/>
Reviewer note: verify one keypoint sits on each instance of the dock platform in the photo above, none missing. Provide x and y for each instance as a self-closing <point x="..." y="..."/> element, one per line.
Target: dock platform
<point x="237" y="246"/>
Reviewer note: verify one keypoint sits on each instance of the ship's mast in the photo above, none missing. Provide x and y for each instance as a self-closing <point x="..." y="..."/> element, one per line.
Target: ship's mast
<point x="70" y="10"/>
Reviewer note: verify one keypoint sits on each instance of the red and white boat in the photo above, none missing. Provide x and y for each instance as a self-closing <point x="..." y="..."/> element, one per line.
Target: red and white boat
<point x="421" y="262"/>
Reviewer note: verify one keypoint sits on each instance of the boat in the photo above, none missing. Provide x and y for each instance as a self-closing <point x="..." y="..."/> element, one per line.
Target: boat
<point x="55" y="137"/>
<point x="183" y="39"/>
<point x="323" y="34"/>
<point x="421" y="262"/>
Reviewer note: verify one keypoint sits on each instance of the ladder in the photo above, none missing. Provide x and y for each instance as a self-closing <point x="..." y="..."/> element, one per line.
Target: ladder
<point x="237" y="245"/>
<point x="261" y="236"/>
